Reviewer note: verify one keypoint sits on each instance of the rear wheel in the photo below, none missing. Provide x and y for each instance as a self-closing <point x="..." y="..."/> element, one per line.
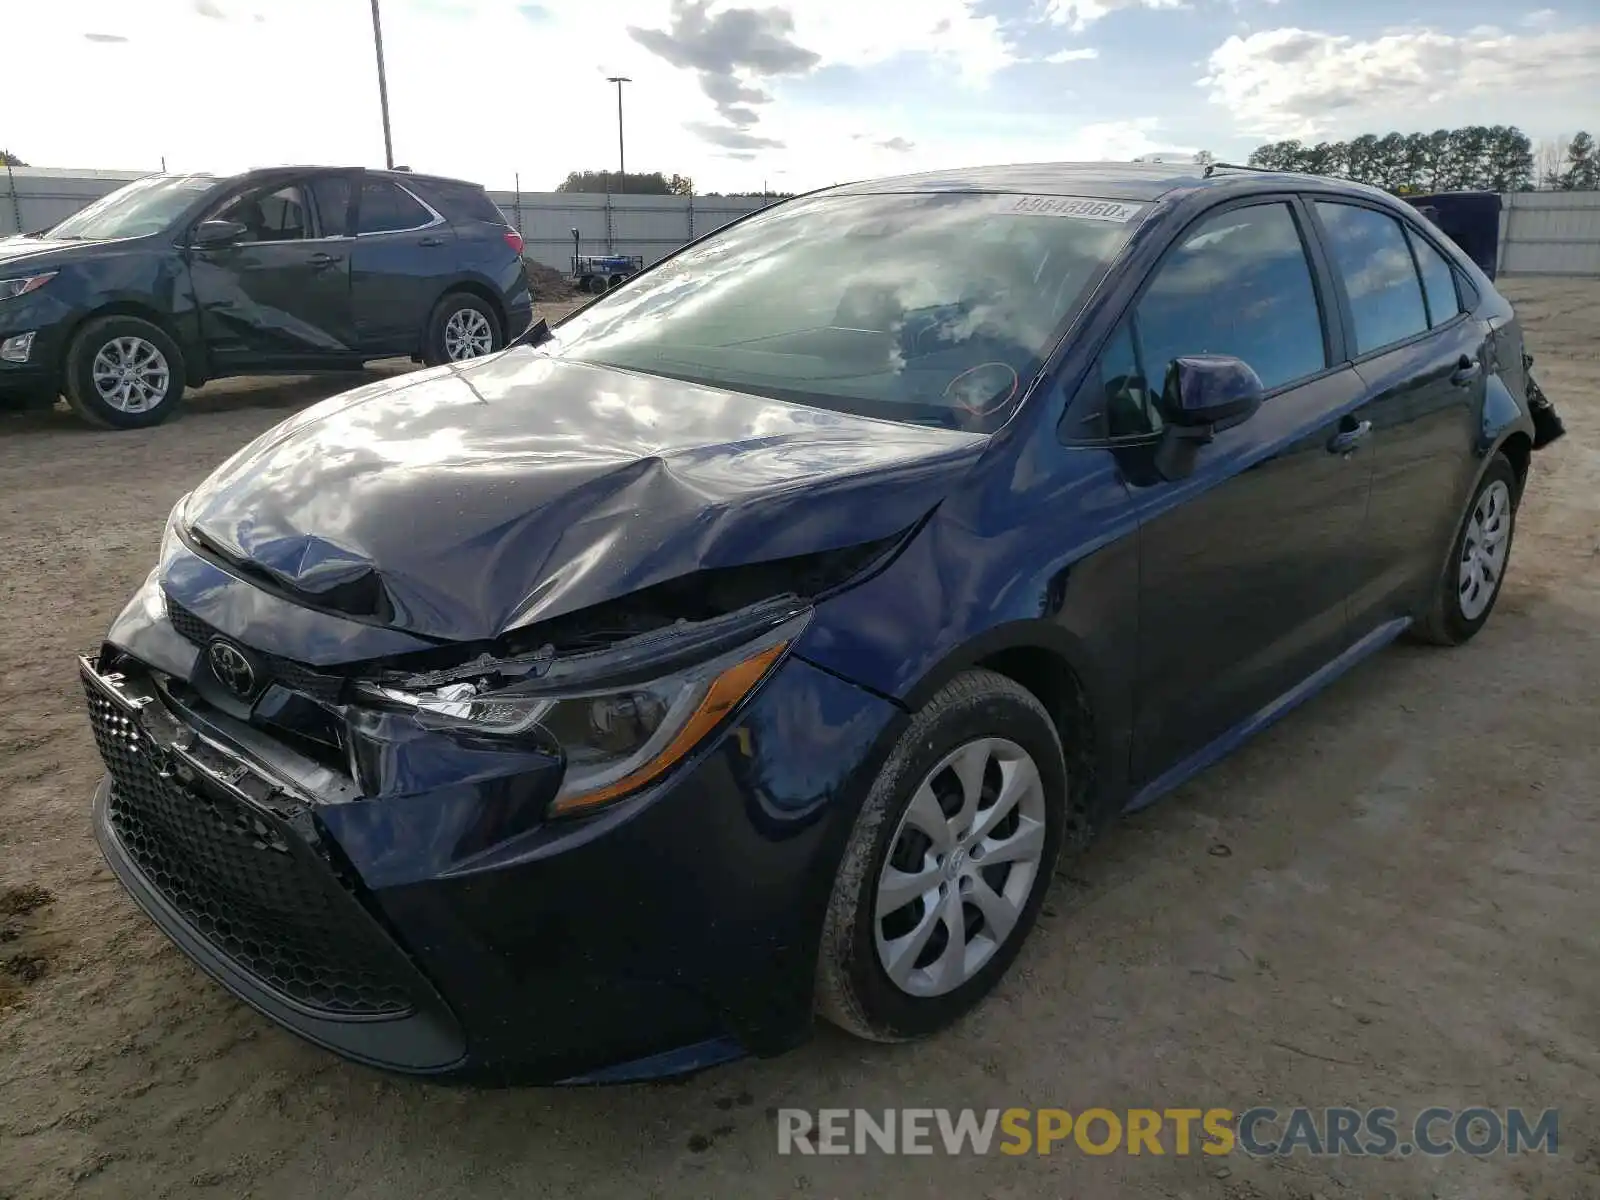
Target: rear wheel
<point x="124" y="373"/>
<point x="948" y="862"/>
<point x="462" y="327"/>
<point x="1470" y="585"/>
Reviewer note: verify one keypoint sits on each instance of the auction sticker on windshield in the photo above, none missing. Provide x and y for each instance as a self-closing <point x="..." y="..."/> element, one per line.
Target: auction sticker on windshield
<point x="1070" y="206"/>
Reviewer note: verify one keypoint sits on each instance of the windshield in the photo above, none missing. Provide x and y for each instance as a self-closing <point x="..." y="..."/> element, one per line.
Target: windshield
<point x="145" y="206"/>
<point x="932" y="309"/>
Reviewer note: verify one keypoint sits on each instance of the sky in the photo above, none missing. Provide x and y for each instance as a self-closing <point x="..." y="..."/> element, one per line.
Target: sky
<point x="786" y="94"/>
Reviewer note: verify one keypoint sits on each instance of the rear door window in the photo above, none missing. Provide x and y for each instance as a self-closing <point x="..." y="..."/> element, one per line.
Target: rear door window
<point x="1369" y="250"/>
<point x="386" y="208"/>
<point x="1438" y="281"/>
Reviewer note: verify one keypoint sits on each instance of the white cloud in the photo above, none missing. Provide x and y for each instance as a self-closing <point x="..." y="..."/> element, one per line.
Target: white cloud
<point x="1078" y="15"/>
<point x="1539" y="16"/>
<point x="1303" y="83"/>
<point x="487" y="91"/>
<point x="864" y="32"/>
<point x="1066" y="56"/>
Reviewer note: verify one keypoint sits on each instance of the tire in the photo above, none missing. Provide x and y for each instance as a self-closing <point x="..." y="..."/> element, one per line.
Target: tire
<point x="461" y="328"/>
<point x="1455" y="613"/>
<point x="616" y="281"/>
<point x="855" y="989"/>
<point x="594" y="285"/>
<point x="147" y="395"/>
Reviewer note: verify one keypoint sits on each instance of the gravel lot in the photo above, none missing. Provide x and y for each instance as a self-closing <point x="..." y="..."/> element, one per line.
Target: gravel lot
<point x="1389" y="898"/>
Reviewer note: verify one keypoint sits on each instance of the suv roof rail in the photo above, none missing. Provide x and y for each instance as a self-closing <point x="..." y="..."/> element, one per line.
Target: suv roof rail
<point x="1227" y="166"/>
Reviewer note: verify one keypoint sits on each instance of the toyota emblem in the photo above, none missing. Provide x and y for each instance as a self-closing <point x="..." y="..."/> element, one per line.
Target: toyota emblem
<point x="232" y="668"/>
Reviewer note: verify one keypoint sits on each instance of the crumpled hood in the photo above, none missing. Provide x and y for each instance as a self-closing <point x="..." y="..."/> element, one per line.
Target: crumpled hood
<point x="465" y="501"/>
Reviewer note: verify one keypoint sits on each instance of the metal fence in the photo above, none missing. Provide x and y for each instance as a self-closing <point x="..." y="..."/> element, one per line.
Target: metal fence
<point x="1541" y="233"/>
<point x="652" y="226"/>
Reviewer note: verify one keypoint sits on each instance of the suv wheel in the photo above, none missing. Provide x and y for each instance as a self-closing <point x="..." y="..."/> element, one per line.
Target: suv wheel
<point x="124" y="373"/>
<point x="462" y="327"/>
<point x="948" y="863"/>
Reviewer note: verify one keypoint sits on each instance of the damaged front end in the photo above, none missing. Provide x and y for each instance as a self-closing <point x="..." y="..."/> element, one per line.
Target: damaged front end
<point x="576" y="712"/>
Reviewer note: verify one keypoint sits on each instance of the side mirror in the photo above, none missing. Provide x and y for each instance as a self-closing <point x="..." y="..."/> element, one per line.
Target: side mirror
<point x="1203" y="395"/>
<point x="217" y="233"/>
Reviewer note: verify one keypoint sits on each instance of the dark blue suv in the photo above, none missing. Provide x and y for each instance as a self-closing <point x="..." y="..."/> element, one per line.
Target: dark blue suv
<point x="174" y="280"/>
<point x="755" y="642"/>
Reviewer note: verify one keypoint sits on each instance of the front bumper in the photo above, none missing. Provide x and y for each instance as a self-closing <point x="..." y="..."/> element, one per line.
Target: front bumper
<point x="423" y="931"/>
<point x="225" y="860"/>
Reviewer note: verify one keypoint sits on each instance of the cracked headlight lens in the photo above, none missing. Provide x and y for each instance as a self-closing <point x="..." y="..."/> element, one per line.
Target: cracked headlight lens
<point x="614" y="740"/>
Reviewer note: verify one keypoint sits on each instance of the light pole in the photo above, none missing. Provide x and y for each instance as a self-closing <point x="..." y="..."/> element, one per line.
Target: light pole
<point x="383" y="87"/>
<point x="622" y="161"/>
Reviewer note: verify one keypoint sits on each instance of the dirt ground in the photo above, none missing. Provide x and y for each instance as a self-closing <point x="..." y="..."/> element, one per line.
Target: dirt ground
<point x="1392" y="897"/>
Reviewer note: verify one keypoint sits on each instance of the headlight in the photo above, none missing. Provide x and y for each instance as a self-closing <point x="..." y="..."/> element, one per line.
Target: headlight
<point x="615" y="738"/>
<point x="10" y="289"/>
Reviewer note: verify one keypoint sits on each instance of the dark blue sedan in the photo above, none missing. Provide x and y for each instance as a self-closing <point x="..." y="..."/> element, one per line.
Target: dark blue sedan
<point x="755" y="642"/>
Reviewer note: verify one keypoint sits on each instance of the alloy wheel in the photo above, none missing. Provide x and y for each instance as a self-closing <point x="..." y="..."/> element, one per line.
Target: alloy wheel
<point x="467" y="334"/>
<point x="1484" y="550"/>
<point x="131" y="375"/>
<point x="960" y="867"/>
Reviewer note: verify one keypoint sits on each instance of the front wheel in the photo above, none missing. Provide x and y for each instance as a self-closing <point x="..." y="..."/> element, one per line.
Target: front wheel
<point x="948" y="862"/>
<point x="1465" y="594"/>
<point x="123" y="373"/>
<point x="462" y="328"/>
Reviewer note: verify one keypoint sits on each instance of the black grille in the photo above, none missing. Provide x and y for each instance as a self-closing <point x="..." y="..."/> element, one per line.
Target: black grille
<point x="246" y="882"/>
<point x="284" y="671"/>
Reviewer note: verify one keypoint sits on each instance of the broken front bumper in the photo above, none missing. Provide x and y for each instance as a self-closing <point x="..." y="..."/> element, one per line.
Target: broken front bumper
<point x="428" y="931"/>
<point x="228" y="862"/>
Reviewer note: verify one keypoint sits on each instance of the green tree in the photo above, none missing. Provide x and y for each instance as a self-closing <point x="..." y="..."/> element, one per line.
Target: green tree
<point x="1508" y="162"/>
<point x="635" y="183"/>
<point x="1361" y="159"/>
<point x="680" y="185"/>
<point x="8" y="159"/>
<point x="1581" y="170"/>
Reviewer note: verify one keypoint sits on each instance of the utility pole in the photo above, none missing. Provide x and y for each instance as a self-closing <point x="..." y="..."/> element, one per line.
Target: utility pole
<point x="622" y="161"/>
<point x="383" y="87"/>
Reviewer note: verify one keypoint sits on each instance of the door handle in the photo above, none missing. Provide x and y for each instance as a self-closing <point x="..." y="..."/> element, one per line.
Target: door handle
<point x="1346" y="440"/>
<point x="431" y="241"/>
<point x="1467" y="369"/>
<point x="325" y="260"/>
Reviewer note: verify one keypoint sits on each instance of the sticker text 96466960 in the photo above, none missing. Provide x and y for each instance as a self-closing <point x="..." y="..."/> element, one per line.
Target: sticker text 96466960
<point x="1071" y="206"/>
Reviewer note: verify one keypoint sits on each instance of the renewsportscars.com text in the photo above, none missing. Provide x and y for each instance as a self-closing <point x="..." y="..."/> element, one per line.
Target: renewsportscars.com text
<point x="1258" y="1132"/>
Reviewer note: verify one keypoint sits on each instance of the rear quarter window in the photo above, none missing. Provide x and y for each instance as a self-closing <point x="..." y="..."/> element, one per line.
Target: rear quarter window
<point x="463" y="202"/>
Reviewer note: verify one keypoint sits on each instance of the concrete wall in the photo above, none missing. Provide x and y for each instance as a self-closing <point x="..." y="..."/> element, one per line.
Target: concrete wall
<point x="653" y="226"/>
<point x="1550" y="233"/>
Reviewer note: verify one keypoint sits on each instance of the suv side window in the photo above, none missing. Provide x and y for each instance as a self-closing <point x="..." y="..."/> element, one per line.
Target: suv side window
<point x="1239" y="283"/>
<point x="332" y="196"/>
<point x="1369" y="250"/>
<point x="386" y="208"/>
<point x="279" y="216"/>
<point x="1438" y="280"/>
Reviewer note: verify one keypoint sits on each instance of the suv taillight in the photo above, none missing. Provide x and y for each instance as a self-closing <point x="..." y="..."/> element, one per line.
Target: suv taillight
<point x="514" y="240"/>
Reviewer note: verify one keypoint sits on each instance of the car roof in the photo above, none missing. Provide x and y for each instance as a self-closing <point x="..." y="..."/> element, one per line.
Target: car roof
<point x="1136" y="181"/>
<point x="397" y="176"/>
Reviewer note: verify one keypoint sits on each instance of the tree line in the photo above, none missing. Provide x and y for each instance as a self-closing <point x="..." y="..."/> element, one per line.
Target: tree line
<point x="8" y="159"/>
<point x="648" y="183"/>
<point x="1487" y="158"/>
